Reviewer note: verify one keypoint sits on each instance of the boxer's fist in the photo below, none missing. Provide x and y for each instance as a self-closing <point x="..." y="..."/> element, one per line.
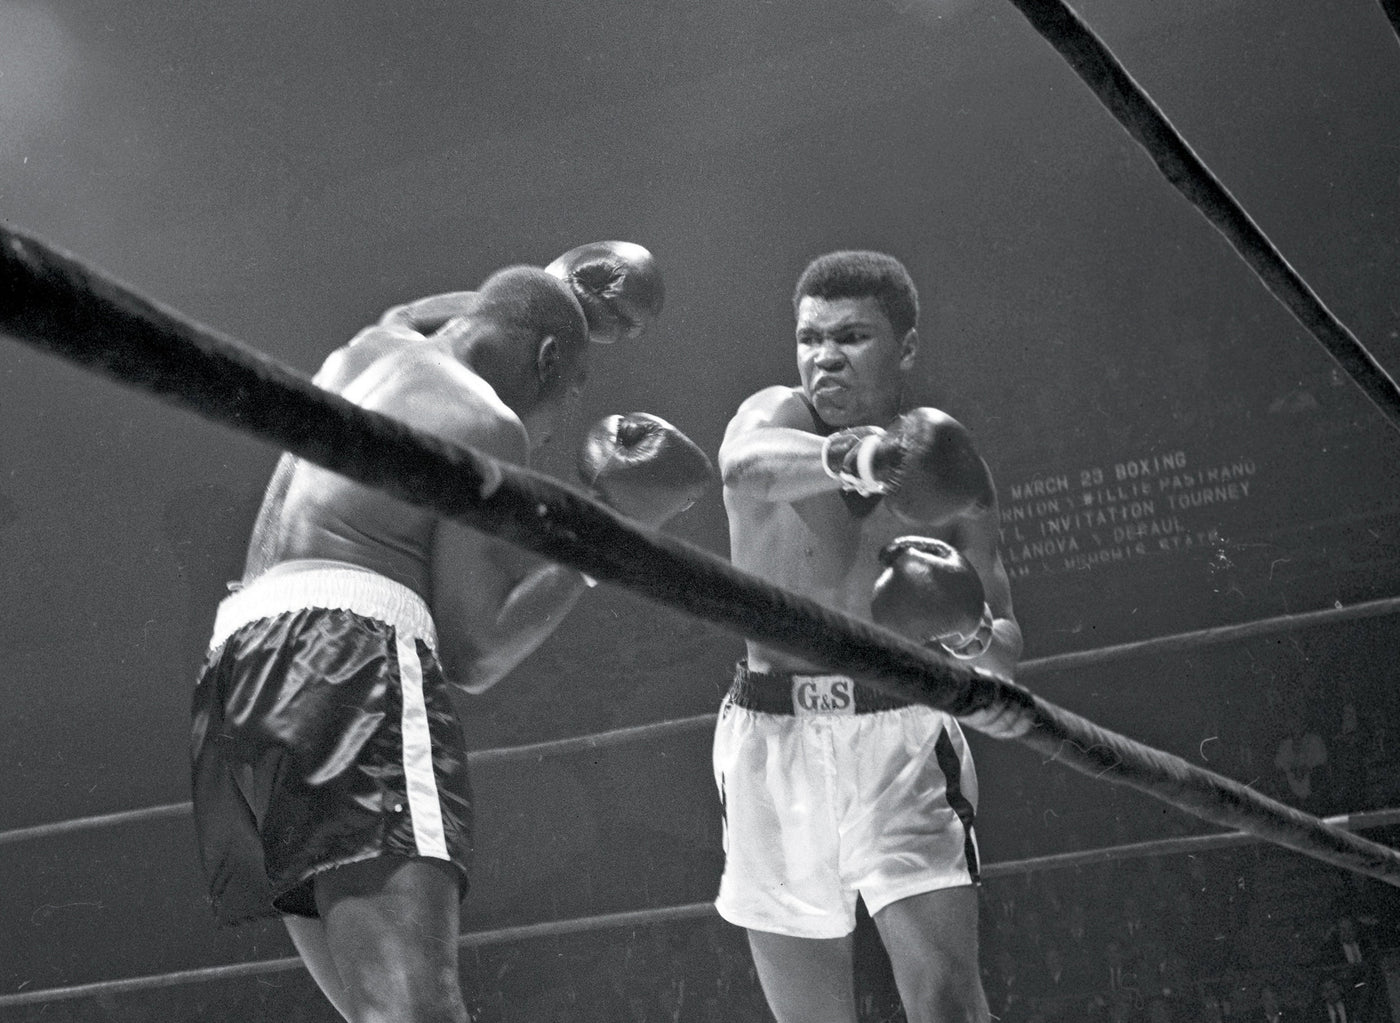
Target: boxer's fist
<point x="644" y="467"/>
<point x="848" y="456"/>
<point x="938" y="473"/>
<point x="925" y="463"/>
<point x="618" y="284"/>
<point x="928" y="591"/>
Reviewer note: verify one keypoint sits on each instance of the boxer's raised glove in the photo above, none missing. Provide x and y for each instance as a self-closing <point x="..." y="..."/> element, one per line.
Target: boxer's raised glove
<point x="618" y="284"/>
<point x="925" y="463"/>
<point x="644" y="467"/>
<point x="930" y="593"/>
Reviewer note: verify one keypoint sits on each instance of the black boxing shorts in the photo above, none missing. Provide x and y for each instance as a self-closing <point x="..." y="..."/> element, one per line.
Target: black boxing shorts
<point x="323" y="734"/>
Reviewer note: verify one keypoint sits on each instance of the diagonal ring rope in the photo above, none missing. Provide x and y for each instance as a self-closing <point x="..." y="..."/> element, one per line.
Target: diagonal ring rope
<point x="1115" y="88"/>
<point x="1392" y="11"/>
<point x="53" y="302"/>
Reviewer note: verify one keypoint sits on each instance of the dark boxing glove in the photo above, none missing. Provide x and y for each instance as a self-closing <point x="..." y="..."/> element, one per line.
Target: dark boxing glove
<point x="930" y="593"/>
<point x="925" y="463"/>
<point x="618" y="284"/>
<point x="643" y="467"/>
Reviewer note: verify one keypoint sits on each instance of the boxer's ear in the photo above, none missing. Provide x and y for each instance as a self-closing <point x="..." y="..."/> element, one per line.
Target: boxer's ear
<point x="548" y="360"/>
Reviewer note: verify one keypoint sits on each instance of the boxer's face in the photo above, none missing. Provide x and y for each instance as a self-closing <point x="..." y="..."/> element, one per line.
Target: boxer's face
<point x="851" y="363"/>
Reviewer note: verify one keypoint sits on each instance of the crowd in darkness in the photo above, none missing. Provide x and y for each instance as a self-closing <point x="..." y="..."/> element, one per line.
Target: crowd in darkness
<point x="1251" y="932"/>
<point x="1223" y="935"/>
<point x="1246" y="934"/>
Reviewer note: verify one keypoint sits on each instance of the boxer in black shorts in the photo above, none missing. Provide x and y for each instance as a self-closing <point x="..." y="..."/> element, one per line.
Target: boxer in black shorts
<point x="323" y="719"/>
<point x="329" y="770"/>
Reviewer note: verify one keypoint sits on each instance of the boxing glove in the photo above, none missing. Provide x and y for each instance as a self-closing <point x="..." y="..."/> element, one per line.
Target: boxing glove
<point x="847" y="452"/>
<point x="643" y="466"/>
<point x="924" y="463"/>
<point x="931" y="593"/>
<point x="618" y="284"/>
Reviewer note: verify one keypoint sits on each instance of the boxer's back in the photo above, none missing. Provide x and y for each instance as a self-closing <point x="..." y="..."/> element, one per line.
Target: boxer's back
<point x="314" y="514"/>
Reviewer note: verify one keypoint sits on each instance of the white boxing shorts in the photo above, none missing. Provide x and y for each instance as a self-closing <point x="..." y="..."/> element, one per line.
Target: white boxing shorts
<point x="830" y="790"/>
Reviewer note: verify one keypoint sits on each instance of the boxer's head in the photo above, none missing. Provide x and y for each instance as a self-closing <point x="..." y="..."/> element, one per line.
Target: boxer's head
<point x="859" y="274"/>
<point x="529" y="339"/>
<point x="856" y="313"/>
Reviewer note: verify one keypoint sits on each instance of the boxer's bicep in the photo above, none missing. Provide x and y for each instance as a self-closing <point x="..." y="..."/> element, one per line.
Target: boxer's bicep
<point x="770" y="452"/>
<point x="426" y="315"/>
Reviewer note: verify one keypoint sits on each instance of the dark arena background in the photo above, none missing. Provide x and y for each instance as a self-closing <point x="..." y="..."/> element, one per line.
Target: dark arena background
<point x="1173" y="453"/>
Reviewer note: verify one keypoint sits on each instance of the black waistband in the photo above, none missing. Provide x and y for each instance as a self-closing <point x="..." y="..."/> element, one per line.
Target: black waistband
<point x="772" y="693"/>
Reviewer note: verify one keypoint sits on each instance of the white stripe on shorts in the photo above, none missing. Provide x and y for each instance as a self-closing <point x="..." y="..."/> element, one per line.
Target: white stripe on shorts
<point x="423" y="806"/>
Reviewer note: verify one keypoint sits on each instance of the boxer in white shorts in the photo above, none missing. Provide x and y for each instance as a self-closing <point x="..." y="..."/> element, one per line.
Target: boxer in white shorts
<point x="897" y="781"/>
<point x="830" y="789"/>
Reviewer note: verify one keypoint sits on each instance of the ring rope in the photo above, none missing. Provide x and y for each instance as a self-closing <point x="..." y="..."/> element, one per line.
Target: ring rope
<point x="1358" y="821"/>
<point x="55" y="303"/>
<point x="1116" y="89"/>
<point x="700" y="722"/>
<point x="476" y="758"/>
<point x="1213" y="636"/>
<point x="670" y="914"/>
<point x="1392" y="11"/>
<point x="163" y="811"/>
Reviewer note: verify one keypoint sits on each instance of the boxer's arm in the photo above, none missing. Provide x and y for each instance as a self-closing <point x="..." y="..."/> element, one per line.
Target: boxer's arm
<point x="427" y="315"/>
<point x="494" y="605"/>
<point x="770" y="453"/>
<point x="489" y="605"/>
<point x="976" y="535"/>
<point x="638" y="464"/>
<point x="398" y="327"/>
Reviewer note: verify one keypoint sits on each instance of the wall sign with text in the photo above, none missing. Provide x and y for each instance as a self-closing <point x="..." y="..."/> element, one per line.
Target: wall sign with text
<point x="1120" y="511"/>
